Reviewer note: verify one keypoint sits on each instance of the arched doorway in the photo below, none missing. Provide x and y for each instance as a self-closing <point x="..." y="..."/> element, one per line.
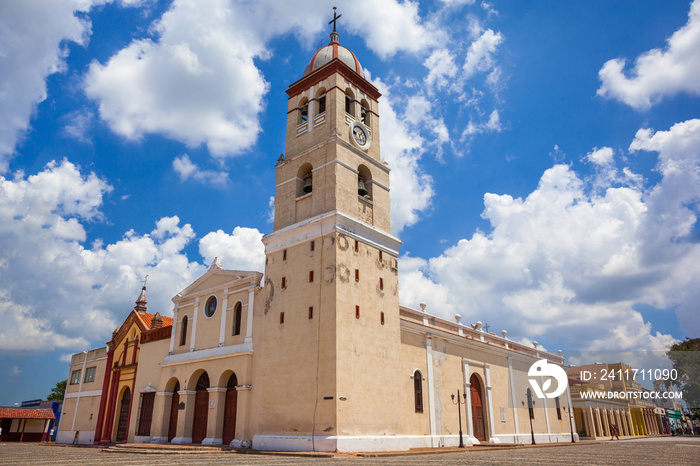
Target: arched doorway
<point x="174" y="406"/>
<point x="477" y="408"/>
<point x="123" y="415"/>
<point x="201" y="409"/>
<point x="230" y="410"/>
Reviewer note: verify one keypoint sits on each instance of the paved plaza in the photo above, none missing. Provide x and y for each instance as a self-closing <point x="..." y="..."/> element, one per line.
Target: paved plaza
<point x="656" y="451"/>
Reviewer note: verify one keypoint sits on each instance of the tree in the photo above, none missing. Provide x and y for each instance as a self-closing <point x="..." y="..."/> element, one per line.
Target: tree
<point x="58" y="391"/>
<point x="686" y="360"/>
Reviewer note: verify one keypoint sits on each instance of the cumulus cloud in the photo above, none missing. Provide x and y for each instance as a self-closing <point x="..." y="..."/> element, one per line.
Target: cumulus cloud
<point x="395" y="27"/>
<point x="657" y="73"/>
<point x="196" y="81"/>
<point x="411" y="188"/>
<point x="186" y="169"/>
<point x="602" y="156"/>
<point x="241" y="250"/>
<point x="568" y="257"/>
<point x="33" y="45"/>
<point x="56" y="292"/>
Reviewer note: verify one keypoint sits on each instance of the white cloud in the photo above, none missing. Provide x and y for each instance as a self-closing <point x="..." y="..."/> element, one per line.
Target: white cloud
<point x="186" y="169"/>
<point x="441" y="70"/>
<point x="411" y="188"/>
<point x="196" y="83"/>
<point x="241" y="250"/>
<point x="33" y="45"/>
<point x="394" y="27"/>
<point x="78" y="124"/>
<point x="55" y="292"/>
<point x="658" y="73"/>
<point x="567" y="257"/>
<point x="493" y="124"/>
<point x="602" y="156"/>
<point x="481" y="52"/>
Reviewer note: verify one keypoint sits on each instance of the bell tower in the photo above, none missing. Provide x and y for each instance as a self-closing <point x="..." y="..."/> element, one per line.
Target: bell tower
<point x="329" y="347"/>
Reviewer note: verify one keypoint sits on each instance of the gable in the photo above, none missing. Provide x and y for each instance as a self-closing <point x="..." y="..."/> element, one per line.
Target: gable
<point x="217" y="279"/>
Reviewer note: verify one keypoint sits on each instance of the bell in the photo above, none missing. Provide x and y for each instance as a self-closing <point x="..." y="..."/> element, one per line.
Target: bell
<point x="308" y="186"/>
<point x="361" y="190"/>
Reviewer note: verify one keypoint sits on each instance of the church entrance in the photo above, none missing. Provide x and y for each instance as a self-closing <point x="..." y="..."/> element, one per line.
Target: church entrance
<point x="230" y="410"/>
<point x="201" y="409"/>
<point x="477" y="408"/>
<point x="123" y="415"/>
<point x="174" y="406"/>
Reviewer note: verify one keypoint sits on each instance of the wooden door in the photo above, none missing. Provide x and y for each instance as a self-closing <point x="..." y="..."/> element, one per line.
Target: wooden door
<point x="230" y="410"/>
<point x="201" y="409"/>
<point x="174" y="407"/>
<point x="123" y="415"/>
<point x="477" y="408"/>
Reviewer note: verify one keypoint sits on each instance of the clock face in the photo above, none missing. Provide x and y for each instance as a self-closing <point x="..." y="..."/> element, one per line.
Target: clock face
<point x="359" y="134"/>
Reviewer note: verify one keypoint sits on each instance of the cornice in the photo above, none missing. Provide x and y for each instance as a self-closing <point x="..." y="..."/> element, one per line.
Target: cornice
<point x="334" y="66"/>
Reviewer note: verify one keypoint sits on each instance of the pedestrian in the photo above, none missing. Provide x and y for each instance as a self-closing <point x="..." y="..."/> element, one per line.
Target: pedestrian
<point x="613" y="432"/>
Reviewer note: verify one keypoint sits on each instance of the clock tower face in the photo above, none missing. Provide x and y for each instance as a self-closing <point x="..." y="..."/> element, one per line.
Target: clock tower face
<point x="359" y="134"/>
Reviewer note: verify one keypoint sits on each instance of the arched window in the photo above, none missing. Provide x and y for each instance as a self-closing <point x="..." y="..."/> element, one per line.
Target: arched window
<point x="349" y="102"/>
<point x="183" y="332"/>
<point x="303" y="110"/>
<point x="364" y="112"/>
<point x="530" y="406"/>
<point x="364" y="182"/>
<point x="321" y="98"/>
<point x="237" y="318"/>
<point x="418" y="390"/>
<point x="305" y="180"/>
<point x="556" y="401"/>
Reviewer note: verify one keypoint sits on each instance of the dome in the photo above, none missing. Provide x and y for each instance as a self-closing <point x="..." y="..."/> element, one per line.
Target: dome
<point x="331" y="51"/>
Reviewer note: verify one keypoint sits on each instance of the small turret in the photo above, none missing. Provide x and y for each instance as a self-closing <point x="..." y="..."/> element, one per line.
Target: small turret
<point x="141" y="301"/>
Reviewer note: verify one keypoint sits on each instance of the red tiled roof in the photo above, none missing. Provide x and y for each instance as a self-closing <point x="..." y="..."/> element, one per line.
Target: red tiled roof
<point x="147" y="317"/>
<point x="24" y="413"/>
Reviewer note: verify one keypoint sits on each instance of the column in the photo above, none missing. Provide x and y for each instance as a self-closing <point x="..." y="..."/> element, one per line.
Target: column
<point x="606" y="421"/>
<point x="173" y="331"/>
<point x="584" y="419"/>
<point x="431" y="392"/>
<point x="468" y="391"/>
<point x="633" y="431"/>
<point x="251" y="307"/>
<point x="591" y="421"/>
<point x="489" y="400"/>
<point x="215" y="419"/>
<point x="194" y="323"/>
<point x="512" y="394"/>
<point x="243" y="412"/>
<point x="222" y="327"/>
<point x="161" y="417"/>
<point x="185" y="418"/>
<point x="599" y="424"/>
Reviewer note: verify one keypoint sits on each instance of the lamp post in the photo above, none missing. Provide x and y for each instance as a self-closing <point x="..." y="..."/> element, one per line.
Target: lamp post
<point x="459" y="414"/>
<point x="530" y="401"/>
<point x="571" y="424"/>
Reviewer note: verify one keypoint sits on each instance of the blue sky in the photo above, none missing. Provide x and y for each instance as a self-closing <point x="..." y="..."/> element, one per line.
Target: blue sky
<point x="545" y="161"/>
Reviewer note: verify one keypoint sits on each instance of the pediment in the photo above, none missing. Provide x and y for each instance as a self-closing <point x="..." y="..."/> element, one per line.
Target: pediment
<point x="216" y="279"/>
<point x="132" y="321"/>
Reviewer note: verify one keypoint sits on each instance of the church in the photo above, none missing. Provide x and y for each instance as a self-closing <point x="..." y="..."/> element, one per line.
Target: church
<point x="316" y="354"/>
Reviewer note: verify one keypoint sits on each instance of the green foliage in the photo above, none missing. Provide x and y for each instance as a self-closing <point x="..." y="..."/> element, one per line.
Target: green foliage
<point x="58" y="391"/>
<point x="686" y="360"/>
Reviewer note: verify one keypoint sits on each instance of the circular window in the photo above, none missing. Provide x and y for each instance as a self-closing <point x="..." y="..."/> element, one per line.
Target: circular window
<point x="210" y="308"/>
